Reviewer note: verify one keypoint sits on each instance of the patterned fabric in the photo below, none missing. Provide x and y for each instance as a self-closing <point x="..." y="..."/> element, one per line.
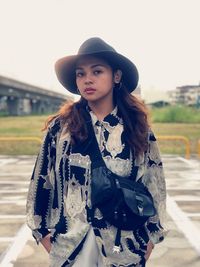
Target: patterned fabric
<point x="59" y="195"/>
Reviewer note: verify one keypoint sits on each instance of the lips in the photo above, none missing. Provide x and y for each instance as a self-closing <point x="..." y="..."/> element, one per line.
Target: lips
<point x="89" y="90"/>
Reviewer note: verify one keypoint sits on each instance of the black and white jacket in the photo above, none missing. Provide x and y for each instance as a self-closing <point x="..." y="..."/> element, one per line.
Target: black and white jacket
<point x="59" y="194"/>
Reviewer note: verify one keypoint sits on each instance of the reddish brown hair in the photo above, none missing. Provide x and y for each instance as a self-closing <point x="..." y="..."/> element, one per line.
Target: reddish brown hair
<point x="132" y="110"/>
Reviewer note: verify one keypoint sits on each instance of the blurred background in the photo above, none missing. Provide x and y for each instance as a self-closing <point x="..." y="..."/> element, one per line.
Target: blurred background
<point x="162" y="38"/>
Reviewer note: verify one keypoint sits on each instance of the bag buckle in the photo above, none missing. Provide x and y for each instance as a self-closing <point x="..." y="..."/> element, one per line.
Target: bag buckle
<point x="117" y="183"/>
<point x="140" y="208"/>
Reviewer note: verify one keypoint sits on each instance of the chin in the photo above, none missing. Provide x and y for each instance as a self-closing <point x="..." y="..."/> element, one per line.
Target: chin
<point x="91" y="98"/>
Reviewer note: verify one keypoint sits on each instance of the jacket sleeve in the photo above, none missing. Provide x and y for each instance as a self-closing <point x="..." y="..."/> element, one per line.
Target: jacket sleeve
<point x="154" y="179"/>
<point x="41" y="189"/>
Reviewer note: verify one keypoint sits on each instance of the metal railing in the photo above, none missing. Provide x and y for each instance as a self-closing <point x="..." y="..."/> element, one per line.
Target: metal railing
<point x="24" y="138"/>
<point x="184" y="139"/>
<point x="199" y="148"/>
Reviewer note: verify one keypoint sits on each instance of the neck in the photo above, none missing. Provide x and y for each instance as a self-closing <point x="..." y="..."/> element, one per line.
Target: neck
<point x="101" y="110"/>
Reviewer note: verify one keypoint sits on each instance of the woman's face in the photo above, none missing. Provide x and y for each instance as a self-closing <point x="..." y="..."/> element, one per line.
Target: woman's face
<point x="95" y="79"/>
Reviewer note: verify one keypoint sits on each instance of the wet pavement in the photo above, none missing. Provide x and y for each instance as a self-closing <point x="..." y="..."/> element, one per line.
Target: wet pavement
<point x="181" y="247"/>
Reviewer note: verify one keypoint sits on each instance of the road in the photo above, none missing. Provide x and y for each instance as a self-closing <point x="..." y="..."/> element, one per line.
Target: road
<point x="181" y="247"/>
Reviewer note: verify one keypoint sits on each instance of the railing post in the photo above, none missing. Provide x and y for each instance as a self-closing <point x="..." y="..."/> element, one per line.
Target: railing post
<point x="198" y="152"/>
<point x="181" y="138"/>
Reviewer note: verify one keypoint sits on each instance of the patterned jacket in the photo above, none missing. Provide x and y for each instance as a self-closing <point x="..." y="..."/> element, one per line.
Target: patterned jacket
<point x="59" y="194"/>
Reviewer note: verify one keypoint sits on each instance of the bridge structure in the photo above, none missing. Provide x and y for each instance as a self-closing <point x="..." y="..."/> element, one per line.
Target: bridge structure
<point x="19" y="98"/>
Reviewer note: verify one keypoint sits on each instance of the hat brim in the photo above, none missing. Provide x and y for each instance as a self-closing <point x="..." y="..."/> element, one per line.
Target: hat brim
<point x="65" y="70"/>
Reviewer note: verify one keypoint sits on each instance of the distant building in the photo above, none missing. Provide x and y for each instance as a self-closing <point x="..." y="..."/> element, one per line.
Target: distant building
<point x="187" y="95"/>
<point x="158" y="104"/>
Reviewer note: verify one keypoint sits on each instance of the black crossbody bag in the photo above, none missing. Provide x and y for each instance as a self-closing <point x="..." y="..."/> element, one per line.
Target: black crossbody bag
<point x="124" y="203"/>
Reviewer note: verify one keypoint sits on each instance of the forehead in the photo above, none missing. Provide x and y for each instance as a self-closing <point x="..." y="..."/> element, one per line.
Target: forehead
<point x="87" y="61"/>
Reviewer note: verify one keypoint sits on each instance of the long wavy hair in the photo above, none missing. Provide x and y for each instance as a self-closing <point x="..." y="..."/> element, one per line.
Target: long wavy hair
<point x="133" y="112"/>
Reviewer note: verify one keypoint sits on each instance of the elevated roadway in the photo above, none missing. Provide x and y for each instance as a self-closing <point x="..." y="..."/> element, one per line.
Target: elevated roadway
<point x="19" y="98"/>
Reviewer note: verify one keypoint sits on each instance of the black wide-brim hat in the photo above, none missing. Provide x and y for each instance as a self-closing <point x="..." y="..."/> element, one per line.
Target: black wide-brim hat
<point x="66" y="66"/>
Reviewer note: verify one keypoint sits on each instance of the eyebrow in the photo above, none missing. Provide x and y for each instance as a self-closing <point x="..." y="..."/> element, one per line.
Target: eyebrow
<point x="93" y="66"/>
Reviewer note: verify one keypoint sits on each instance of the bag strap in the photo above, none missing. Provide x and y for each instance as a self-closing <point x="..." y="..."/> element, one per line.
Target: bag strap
<point x="97" y="161"/>
<point x="93" y="150"/>
<point x="95" y="153"/>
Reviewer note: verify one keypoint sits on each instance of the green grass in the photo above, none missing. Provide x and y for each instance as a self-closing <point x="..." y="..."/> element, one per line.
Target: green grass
<point x="177" y="120"/>
<point x="176" y="114"/>
<point x="32" y="125"/>
<point x="29" y="126"/>
<point x="22" y="125"/>
<point x="190" y="131"/>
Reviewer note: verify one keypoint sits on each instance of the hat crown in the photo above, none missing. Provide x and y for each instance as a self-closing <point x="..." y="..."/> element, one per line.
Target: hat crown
<point x="95" y="45"/>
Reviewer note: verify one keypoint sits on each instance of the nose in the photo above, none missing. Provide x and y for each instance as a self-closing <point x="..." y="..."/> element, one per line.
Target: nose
<point x="88" y="78"/>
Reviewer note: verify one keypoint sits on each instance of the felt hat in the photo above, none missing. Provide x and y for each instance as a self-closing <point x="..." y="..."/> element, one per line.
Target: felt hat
<point x="65" y="67"/>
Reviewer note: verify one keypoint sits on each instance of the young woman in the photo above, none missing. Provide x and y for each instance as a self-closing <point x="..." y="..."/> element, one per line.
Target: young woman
<point x="59" y="200"/>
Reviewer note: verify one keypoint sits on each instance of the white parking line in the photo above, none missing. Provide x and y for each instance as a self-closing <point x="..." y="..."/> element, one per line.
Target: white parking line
<point x="7" y="161"/>
<point x="16" y="247"/>
<point x="10" y="216"/>
<point x="182" y="188"/>
<point x="7" y="174"/>
<point x="20" y="202"/>
<point x="17" y="242"/>
<point x="180" y="218"/>
<point x="184" y="223"/>
<point x="189" y="162"/>
<point x="10" y="191"/>
<point x="186" y="177"/>
<point x="186" y="198"/>
<point x="16" y="197"/>
<point x="14" y="182"/>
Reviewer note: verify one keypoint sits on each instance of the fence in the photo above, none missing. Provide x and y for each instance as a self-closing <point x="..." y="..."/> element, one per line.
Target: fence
<point x="183" y="139"/>
<point x="179" y="138"/>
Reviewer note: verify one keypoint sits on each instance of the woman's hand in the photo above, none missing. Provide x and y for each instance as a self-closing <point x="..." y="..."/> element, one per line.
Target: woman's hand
<point x="46" y="242"/>
<point x="150" y="247"/>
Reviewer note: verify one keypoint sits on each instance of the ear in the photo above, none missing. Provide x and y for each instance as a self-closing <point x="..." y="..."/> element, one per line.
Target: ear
<point x="117" y="76"/>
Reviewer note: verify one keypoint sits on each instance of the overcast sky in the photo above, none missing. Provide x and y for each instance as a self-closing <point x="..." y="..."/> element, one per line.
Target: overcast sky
<point x="162" y="37"/>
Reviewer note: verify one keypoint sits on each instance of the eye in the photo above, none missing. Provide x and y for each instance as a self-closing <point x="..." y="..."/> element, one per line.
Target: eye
<point x="96" y="72"/>
<point x="79" y="74"/>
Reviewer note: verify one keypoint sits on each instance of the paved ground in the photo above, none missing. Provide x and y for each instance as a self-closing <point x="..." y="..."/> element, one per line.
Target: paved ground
<point x="180" y="249"/>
